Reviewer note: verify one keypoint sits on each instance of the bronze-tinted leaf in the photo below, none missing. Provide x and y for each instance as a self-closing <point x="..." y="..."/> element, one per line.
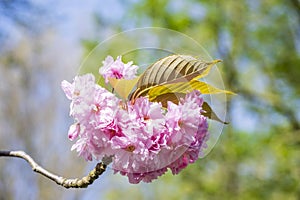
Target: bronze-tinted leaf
<point x="171" y="69"/>
<point x="173" y="97"/>
<point x="208" y="112"/>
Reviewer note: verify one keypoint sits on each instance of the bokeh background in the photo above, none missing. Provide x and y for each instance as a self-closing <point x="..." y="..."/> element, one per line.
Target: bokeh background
<point x="257" y="155"/>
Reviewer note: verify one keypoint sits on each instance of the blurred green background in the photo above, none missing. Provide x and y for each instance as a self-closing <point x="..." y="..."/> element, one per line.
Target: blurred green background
<point x="257" y="155"/>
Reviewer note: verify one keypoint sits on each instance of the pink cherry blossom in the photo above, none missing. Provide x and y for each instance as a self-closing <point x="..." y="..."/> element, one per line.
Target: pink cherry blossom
<point x="143" y="138"/>
<point x="93" y="109"/>
<point x="82" y="147"/>
<point x="146" y="177"/>
<point x="194" y="129"/>
<point x="117" y="69"/>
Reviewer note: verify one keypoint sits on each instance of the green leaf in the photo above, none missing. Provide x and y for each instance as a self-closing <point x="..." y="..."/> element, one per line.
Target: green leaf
<point x="183" y="87"/>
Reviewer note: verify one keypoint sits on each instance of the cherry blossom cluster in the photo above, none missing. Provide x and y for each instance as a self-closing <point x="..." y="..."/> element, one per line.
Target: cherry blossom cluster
<point x="143" y="138"/>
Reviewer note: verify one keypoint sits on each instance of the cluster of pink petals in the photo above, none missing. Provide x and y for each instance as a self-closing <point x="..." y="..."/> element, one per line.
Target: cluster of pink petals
<point x="144" y="139"/>
<point x="117" y="69"/>
<point x="93" y="109"/>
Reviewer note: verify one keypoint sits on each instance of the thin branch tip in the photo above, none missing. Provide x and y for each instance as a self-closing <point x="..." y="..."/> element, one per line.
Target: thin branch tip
<point x="67" y="183"/>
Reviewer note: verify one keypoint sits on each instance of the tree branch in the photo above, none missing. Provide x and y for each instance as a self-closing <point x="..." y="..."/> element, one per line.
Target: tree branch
<point x="67" y="183"/>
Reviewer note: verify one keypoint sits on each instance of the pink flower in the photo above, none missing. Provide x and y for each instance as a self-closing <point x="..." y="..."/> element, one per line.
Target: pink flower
<point x="82" y="147"/>
<point x="146" y="177"/>
<point x="132" y="148"/>
<point x="130" y="144"/>
<point x="117" y="69"/>
<point x="91" y="104"/>
<point x="93" y="109"/>
<point x="193" y="128"/>
<point x="80" y="91"/>
<point x="150" y="115"/>
<point x="103" y="108"/>
<point x="183" y="119"/>
<point x="143" y="139"/>
<point x="80" y="88"/>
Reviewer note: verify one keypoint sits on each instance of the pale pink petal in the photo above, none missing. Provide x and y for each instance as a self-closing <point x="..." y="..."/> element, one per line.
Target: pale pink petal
<point x="117" y="69"/>
<point x="74" y="131"/>
<point x="67" y="88"/>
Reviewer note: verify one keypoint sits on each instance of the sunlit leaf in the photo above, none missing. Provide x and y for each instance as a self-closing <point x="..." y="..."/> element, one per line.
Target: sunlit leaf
<point x="123" y="87"/>
<point x="172" y="77"/>
<point x="185" y="87"/>
<point x="170" y="70"/>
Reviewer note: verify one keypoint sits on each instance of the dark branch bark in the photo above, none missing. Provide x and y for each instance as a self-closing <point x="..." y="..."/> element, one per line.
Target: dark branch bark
<point x="67" y="183"/>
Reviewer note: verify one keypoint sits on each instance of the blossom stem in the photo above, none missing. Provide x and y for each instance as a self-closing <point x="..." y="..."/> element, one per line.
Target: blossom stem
<point x="67" y="183"/>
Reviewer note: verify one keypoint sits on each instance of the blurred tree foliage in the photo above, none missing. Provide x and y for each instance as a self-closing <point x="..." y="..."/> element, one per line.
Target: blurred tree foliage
<point x="258" y="42"/>
<point x="30" y="75"/>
